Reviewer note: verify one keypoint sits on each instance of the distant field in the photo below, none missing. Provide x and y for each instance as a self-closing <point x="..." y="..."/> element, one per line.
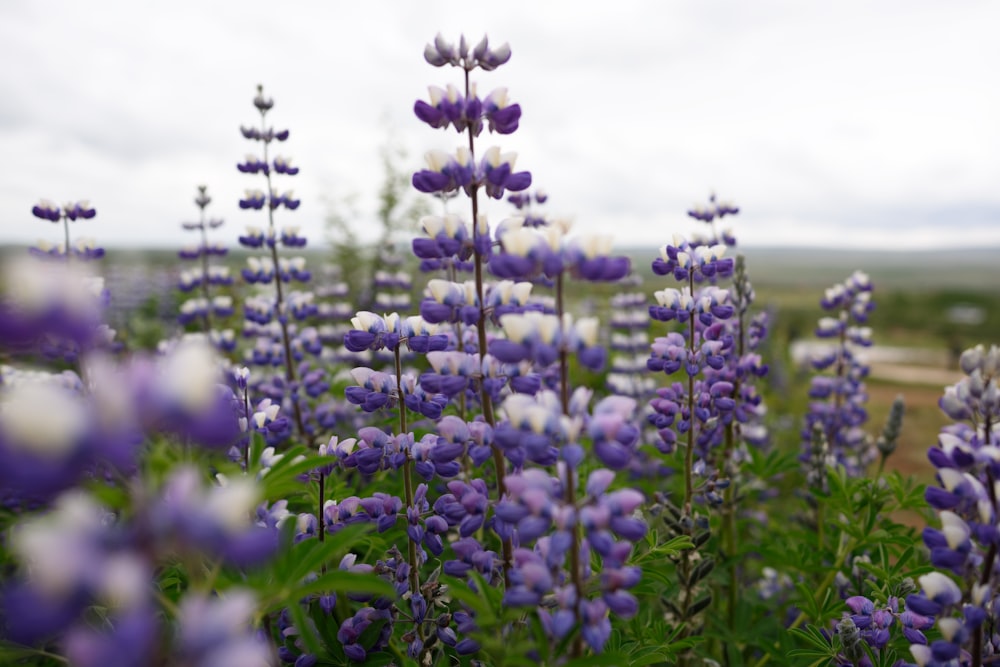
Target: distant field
<point x="968" y="268"/>
<point x="913" y="293"/>
<point x="805" y="268"/>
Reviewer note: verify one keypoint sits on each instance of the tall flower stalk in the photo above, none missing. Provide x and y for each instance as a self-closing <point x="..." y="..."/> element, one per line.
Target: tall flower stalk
<point x="961" y="597"/>
<point x="70" y="212"/>
<point x="695" y="410"/>
<point x="838" y="389"/>
<point x="493" y="173"/>
<point x="206" y="275"/>
<point x="744" y="425"/>
<point x="294" y="270"/>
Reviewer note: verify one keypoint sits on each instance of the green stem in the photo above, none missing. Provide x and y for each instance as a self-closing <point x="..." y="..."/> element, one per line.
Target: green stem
<point x="411" y="548"/>
<point x="729" y="532"/>
<point x="290" y="375"/>
<point x="689" y="454"/>
<point x="322" y="500"/>
<point x="204" y="275"/>
<point x="820" y="524"/>
<point x="484" y="395"/>
<point x="574" y="553"/>
<point x="66" y="232"/>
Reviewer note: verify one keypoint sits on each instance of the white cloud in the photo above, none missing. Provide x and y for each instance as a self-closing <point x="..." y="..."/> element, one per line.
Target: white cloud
<point x="827" y="122"/>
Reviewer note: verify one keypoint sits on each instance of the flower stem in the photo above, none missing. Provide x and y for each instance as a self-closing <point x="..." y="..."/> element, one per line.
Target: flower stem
<point x="729" y="528"/>
<point x="487" y="401"/>
<point x="290" y="375"/>
<point x="204" y="275"/>
<point x="322" y="500"/>
<point x="66" y="232"/>
<point x="574" y="550"/>
<point x="411" y="547"/>
<point x="689" y="453"/>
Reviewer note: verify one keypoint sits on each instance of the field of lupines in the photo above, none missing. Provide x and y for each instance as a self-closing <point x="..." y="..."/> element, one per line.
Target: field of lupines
<point x="481" y="478"/>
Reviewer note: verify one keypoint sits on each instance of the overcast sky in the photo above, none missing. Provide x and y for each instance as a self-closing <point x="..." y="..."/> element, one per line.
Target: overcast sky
<point x="847" y="123"/>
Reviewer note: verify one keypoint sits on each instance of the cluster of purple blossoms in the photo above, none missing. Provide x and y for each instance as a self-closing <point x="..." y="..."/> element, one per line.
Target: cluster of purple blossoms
<point x="78" y="555"/>
<point x="548" y="575"/>
<point x="84" y="249"/>
<point x="275" y="319"/>
<point x="448" y="107"/>
<point x="458" y="303"/>
<point x="372" y="332"/>
<point x="713" y="411"/>
<point x="541" y="338"/>
<point x="204" y="276"/>
<point x="55" y="309"/>
<point x="58" y="431"/>
<point x="441" y="52"/>
<point x="837" y="411"/>
<point x="961" y="599"/>
<point x="53" y="306"/>
<point x="374" y="390"/>
<point x="523" y="201"/>
<point x="870" y="624"/>
<point x="494" y="173"/>
<point x="527" y="252"/>
<point x="705" y="345"/>
<point x="699" y="262"/>
<point x="629" y="341"/>
<point x="451" y="243"/>
<point x="709" y="213"/>
<point x="392" y="287"/>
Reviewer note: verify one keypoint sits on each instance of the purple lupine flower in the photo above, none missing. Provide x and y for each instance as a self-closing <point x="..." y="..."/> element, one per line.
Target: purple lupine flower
<point x="501" y="115"/>
<point x="589" y="258"/>
<point x="715" y="210"/>
<point x="217" y="631"/>
<point x="613" y="432"/>
<point x="274" y="318"/>
<point x="77" y="557"/>
<point x="441" y="52"/>
<point x="46" y="210"/>
<point x="127" y="641"/>
<point x="47" y="436"/>
<point x="253" y="199"/>
<point x="533" y="428"/>
<point x="840" y="397"/>
<point x="494" y="173"/>
<point x="217" y="520"/>
<point x="53" y="307"/>
<point x="539" y="337"/>
<point x="453" y="372"/>
<point x="965" y="544"/>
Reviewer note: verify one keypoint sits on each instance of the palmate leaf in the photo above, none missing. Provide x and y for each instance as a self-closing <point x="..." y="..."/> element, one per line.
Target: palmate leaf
<point x="765" y="465"/>
<point x="812" y="636"/>
<point x="659" y="553"/>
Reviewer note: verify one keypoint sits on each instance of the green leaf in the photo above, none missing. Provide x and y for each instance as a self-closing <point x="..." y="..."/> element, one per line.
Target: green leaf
<point x="305" y="629"/>
<point x="343" y="581"/>
<point x="460" y="591"/>
<point x="813" y="636"/>
<point x="608" y="659"/>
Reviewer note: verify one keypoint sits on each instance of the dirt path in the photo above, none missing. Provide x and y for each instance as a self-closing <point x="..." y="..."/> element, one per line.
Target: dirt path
<point x="909" y="374"/>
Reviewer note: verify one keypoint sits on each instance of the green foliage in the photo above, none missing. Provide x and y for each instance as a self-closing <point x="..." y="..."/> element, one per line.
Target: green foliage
<point x="397" y="212"/>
